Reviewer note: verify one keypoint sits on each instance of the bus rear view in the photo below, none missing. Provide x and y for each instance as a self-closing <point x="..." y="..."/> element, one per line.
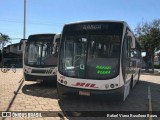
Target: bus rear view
<point x="91" y="59"/>
<point x="40" y="59"/>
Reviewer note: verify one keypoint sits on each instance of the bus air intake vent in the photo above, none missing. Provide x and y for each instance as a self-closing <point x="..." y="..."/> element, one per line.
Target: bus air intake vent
<point x="48" y="71"/>
<point x="38" y="71"/>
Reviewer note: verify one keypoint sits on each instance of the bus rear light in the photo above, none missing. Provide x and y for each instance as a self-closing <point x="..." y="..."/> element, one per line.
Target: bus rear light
<point x="116" y="85"/>
<point x="112" y="85"/>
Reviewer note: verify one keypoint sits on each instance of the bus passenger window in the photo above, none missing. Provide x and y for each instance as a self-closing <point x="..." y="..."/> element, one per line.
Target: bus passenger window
<point x="128" y="46"/>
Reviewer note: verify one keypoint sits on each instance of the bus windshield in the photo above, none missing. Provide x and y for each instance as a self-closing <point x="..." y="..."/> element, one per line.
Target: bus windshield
<point x="90" y="56"/>
<point x="41" y="54"/>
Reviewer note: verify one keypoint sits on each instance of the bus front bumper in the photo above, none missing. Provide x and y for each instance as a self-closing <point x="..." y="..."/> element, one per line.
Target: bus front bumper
<point x="65" y="90"/>
<point x="29" y="77"/>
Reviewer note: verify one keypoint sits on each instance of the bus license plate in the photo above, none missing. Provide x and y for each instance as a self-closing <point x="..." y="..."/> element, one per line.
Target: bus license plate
<point x="85" y="93"/>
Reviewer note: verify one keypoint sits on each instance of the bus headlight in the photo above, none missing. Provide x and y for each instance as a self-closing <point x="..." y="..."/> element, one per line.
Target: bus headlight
<point x="29" y="69"/>
<point x="112" y="85"/>
<point x="65" y="82"/>
<point x="106" y="86"/>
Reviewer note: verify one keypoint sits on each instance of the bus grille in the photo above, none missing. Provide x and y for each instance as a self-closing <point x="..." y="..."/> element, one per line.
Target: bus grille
<point x="41" y="71"/>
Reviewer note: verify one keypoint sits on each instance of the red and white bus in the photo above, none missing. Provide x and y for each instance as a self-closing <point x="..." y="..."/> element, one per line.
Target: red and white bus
<point x="98" y="57"/>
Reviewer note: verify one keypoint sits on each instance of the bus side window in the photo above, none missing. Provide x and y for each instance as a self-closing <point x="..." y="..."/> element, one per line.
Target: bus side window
<point x="129" y="39"/>
<point x="127" y="47"/>
<point x="126" y="56"/>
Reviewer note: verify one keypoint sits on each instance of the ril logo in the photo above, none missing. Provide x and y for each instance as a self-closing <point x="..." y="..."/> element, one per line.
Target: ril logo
<point x="62" y="77"/>
<point x="81" y="84"/>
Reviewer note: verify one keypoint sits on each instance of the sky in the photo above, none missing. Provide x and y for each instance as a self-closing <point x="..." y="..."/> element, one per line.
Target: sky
<point x="49" y="16"/>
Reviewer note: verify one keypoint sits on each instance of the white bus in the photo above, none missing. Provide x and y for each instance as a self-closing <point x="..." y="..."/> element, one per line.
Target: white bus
<point x="40" y="57"/>
<point x="98" y="57"/>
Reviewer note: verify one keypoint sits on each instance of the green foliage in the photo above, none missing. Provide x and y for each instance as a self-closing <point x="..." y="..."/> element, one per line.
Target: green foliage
<point x="148" y="34"/>
<point x="3" y="39"/>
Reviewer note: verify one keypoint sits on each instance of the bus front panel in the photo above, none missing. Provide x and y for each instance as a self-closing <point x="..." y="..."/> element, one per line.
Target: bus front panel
<point x="91" y="50"/>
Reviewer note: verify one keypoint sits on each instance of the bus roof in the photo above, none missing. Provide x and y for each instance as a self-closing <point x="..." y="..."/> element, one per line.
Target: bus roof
<point x="41" y="37"/>
<point x="91" y="21"/>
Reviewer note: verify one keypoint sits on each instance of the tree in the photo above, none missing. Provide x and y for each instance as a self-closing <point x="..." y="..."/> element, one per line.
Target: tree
<point x="3" y="40"/>
<point x="148" y="34"/>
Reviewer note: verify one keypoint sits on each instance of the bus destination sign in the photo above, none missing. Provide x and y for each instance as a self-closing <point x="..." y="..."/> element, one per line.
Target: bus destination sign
<point x="91" y="27"/>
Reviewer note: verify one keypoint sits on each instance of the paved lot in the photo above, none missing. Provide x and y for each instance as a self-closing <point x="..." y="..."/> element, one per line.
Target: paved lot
<point x="33" y="96"/>
<point x="9" y="83"/>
